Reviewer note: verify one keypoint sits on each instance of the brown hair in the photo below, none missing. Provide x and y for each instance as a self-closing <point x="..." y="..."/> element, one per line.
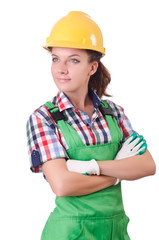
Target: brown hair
<point x="101" y="78"/>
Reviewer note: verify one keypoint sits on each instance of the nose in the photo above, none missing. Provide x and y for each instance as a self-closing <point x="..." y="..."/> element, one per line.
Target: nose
<point x="62" y="68"/>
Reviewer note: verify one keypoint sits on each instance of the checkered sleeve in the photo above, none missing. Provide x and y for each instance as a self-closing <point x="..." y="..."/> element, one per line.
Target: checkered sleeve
<point x="42" y="141"/>
<point x="123" y="121"/>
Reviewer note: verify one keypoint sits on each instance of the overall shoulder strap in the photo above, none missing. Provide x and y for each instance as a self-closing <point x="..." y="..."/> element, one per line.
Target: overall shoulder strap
<point x="54" y="112"/>
<point x="105" y="109"/>
<point x="107" y="112"/>
<point x="71" y="136"/>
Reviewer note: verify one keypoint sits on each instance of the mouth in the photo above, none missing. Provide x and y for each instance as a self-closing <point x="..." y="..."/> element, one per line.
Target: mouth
<point x="63" y="80"/>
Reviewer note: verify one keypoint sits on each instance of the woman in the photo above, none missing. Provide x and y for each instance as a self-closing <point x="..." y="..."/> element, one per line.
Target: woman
<point x="75" y="138"/>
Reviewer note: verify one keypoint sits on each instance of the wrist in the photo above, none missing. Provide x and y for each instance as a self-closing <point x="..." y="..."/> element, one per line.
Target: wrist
<point x="104" y="167"/>
<point x="113" y="181"/>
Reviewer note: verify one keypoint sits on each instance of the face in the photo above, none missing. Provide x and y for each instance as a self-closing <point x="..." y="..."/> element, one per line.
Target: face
<point x="71" y="69"/>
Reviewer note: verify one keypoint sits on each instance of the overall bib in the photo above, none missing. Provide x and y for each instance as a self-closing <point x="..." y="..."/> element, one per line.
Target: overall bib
<point x="96" y="216"/>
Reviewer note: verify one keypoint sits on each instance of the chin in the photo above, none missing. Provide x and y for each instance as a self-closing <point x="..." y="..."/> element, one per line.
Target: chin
<point x="64" y="88"/>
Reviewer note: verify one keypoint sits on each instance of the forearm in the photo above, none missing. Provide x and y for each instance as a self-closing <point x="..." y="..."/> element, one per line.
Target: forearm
<point x="130" y="168"/>
<point x="77" y="184"/>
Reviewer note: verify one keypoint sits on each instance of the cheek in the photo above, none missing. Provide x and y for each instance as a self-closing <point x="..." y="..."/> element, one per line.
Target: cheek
<point x="82" y="71"/>
<point x="53" y="70"/>
<point x="85" y="73"/>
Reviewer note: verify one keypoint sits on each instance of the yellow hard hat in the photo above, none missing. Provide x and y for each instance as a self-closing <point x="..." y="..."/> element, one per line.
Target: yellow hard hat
<point x="76" y="30"/>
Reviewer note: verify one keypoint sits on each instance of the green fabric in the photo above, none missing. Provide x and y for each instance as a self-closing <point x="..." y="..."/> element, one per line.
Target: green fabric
<point x="86" y="229"/>
<point x="70" y="135"/>
<point x="96" y="216"/>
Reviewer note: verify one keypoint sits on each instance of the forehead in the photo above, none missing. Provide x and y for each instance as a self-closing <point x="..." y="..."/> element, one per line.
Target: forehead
<point x="61" y="51"/>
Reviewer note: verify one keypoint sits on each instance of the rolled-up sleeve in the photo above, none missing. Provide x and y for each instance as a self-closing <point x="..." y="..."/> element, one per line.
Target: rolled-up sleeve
<point x="42" y="141"/>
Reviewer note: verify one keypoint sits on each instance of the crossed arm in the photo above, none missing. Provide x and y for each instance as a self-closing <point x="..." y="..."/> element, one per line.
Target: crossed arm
<point x="131" y="168"/>
<point x="65" y="183"/>
<point x="65" y="180"/>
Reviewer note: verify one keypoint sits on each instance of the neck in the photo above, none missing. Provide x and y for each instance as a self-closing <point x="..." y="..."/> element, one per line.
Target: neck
<point x="79" y="100"/>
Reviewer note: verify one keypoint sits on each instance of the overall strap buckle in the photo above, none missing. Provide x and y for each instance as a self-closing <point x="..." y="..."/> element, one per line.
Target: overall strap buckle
<point x="54" y="112"/>
<point x="105" y="109"/>
<point x="57" y="116"/>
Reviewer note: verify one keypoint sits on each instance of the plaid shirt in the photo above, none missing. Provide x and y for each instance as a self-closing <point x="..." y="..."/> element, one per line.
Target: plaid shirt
<point x="46" y="141"/>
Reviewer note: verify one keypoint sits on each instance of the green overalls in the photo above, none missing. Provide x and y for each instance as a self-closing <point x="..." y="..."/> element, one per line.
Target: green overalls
<point x="96" y="216"/>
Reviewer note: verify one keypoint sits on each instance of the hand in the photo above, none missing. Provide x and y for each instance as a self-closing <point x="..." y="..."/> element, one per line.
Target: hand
<point x="86" y="167"/>
<point x="134" y="145"/>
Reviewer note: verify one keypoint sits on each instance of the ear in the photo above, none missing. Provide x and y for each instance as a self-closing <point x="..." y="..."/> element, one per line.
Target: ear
<point x="94" y="66"/>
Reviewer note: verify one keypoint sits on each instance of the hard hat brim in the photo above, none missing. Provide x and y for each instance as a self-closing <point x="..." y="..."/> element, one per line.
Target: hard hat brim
<point x="72" y="45"/>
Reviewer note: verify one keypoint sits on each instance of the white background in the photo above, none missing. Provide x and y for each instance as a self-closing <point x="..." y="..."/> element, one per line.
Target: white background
<point x="130" y="31"/>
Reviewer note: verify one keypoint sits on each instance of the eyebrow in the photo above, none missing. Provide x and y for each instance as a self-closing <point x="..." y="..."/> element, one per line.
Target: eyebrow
<point x="73" y="55"/>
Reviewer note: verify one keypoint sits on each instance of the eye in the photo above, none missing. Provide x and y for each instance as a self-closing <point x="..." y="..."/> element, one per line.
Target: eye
<point x="74" y="60"/>
<point x="55" y="59"/>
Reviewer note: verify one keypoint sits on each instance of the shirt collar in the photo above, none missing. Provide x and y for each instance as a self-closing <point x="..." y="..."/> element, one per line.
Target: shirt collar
<point x="95" y="98"/>
<point x="64" y="103"/>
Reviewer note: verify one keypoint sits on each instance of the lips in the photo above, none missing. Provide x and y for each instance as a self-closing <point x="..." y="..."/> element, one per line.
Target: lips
<point x="63" y="80"/>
